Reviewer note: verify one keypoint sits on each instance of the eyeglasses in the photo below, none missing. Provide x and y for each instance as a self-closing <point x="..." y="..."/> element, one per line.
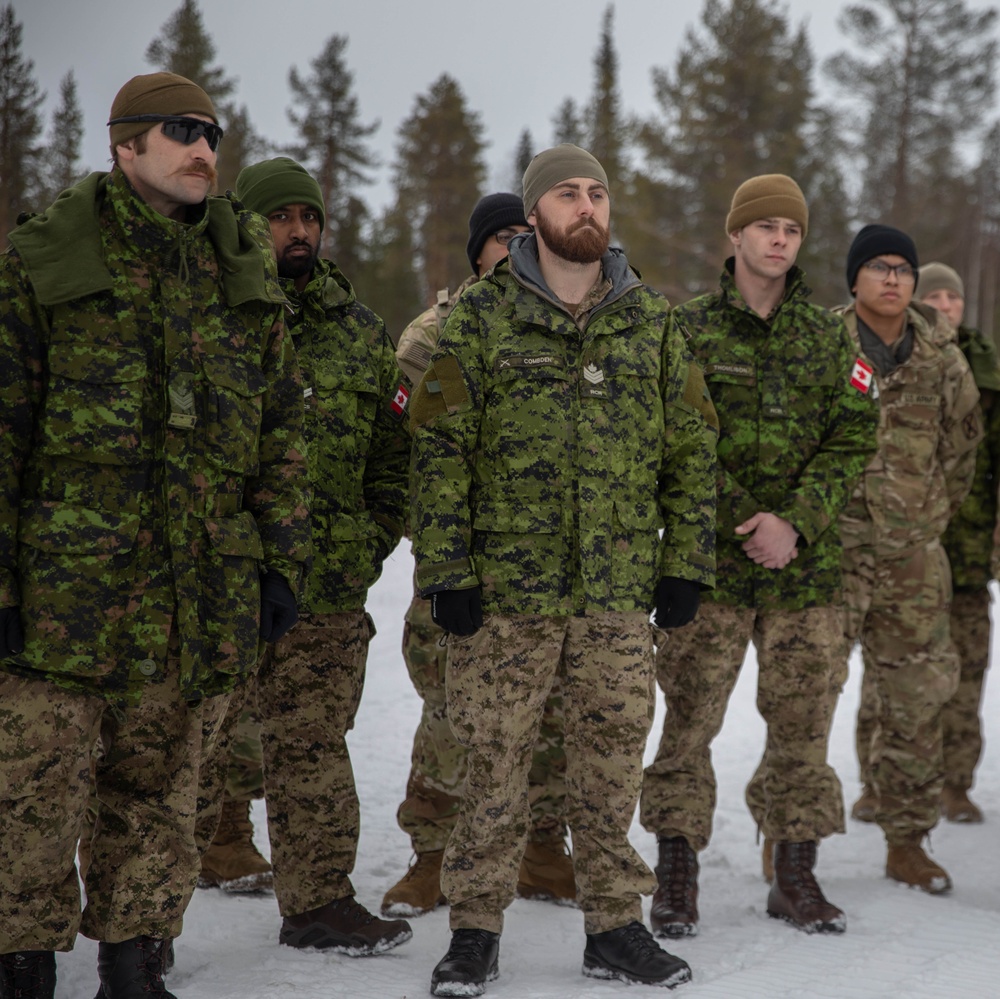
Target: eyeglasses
<point x="184" y="130"/>
<point x="504" y="236"/>
<point x="904" y="272"/>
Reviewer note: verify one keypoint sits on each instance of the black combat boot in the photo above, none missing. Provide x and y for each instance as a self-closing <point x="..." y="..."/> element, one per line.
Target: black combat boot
<point x="630" y="954"/>
<point x="675" y="902"/>
<point x="28" y="974"/>
<point x="795" y="894"/>
<point x="470" y="963"/>
<point x="132" y="969"/>
<point x="344" y="926"/>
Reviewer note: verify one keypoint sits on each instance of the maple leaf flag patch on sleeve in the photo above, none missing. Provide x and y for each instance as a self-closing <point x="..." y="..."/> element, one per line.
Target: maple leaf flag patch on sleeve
<point x="400" y="400"/>
<point x="861" y="376"/>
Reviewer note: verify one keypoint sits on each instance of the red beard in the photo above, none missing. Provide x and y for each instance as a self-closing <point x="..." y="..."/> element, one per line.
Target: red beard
<point x="584" y="242"/>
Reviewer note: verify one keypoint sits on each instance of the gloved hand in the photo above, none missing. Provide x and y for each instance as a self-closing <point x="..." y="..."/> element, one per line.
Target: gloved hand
<point x="11" y="634"/>
<point x="459" y="612"/>
<point x="277" y="606"/>
<point x="676" y="602"/>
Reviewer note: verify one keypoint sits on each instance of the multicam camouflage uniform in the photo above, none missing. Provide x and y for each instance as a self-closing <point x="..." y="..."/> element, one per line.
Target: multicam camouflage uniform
<point x="897" y="581"/>
<point x="549" y="452"/>
<point x="967" y="544"/>
<point x="309" y="688"/>
<point x="437" y="773"/>
<point x="152" y="462"/>
<point x="795" y="435"/>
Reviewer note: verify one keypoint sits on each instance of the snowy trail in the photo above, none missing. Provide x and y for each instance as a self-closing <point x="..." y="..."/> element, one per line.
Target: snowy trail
<point x="899" y="942"/>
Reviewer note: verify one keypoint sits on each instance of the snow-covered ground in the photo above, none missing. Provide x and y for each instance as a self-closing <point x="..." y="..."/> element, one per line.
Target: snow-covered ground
<point x="899" y="942"/>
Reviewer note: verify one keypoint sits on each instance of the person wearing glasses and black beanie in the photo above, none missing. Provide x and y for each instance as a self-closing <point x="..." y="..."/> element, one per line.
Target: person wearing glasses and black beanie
<point x="897" y="581"/>
<point x="154" y="534"/>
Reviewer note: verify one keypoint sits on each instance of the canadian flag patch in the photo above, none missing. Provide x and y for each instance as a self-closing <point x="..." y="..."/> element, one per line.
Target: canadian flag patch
<point x="400" y="400"/>
<point x="861" y="376"/>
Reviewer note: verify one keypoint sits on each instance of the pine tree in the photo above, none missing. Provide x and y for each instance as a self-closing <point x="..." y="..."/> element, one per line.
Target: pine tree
<point x="523" y="155"/>
<point x="923" y="82"/>
<point x="439" y="174"/>
<point x="388" y="283"/>
<point x="738" y="103"/>
<point x="62" y="154"/>
<point x="566" y="124"/>
<point x="241" y="146"/>
<point x="332" y="137"/>
<point x="607" y="131"/>
<point x="20" y="125"/>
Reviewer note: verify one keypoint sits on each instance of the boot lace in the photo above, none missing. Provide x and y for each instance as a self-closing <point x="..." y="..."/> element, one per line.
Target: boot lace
<point x="681" y="872"/>
<point x="468" y="945"/>
<point x="639" y="940"/>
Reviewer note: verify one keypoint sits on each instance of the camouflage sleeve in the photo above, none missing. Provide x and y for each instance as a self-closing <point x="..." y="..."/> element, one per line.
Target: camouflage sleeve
<point x="445" y="415"/>
<point x="279" y="494"/>
<point x="850" y="438"/>
<point x="387" y="468"/>
<point x="962" y="426"/>
<point x="22" y="361"/>
<point x="416" y="344"/>
<point x="689" y="468"/>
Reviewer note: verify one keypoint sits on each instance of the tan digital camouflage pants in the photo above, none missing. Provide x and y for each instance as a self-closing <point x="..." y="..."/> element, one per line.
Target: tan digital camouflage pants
<point x="308" y="693"/>
<point x="962" y="737"/>
<point x="795" y="795"/>
<point x="497" y="684"/>
<point x="144" y="863"/>
<point x="437" y="771"/>
<point x="898" y="609"/>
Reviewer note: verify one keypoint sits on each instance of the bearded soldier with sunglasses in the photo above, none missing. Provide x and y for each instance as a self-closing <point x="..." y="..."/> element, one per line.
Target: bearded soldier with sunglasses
<point x="153" y="533"/>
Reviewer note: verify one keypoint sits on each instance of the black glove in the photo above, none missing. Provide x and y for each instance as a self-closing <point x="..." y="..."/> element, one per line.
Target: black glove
<point x="459" y="612"/>
<point x="676" y="602"/>
<point x="11" y="635"/>
<point x="277" y="606"/>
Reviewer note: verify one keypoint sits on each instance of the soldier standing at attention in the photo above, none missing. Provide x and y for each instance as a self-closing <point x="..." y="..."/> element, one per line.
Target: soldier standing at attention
<point x="967" y="544"/>
<point x="153" y="535"/>
<point x="558" y="429"/>
<point x="795" y="433"/>
<point x="310" y="685"/>
<point x="434" y="786"/>
<point x="897" y="582"/>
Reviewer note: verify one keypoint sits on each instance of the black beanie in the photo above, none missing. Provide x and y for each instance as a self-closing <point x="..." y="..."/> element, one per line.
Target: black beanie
<point x="874" y="240"/>
<point x="493" y="213"/>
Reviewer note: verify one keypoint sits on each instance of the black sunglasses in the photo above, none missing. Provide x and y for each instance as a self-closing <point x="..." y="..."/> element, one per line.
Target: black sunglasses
<point x="180" y="129"/>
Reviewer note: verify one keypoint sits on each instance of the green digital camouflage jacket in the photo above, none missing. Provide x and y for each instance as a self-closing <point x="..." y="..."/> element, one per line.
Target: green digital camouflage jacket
<point x="359" y="444"/>
<point x="547" y="460"/>
<point x="152" y="457"/>
<point x="969" y="534"/>
<point x="794" y="435"/>
<point x="929" y="428"/>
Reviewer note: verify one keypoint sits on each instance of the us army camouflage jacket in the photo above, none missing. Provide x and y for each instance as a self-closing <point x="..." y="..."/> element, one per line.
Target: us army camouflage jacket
<point x="794" y="435"/>
<point x="929" y="428"/>
<point x="359" y="445"/>
<point x="546" y="459"/>
<point x="969" y="534"/>
<point x="152" y="459"/>
<point x="418" y="340"/>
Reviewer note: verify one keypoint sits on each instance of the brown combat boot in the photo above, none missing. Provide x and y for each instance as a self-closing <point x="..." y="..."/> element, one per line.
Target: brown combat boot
<point x="231" y="861"/>
<point x="675" y="902"/>
<point x="419" y="889"/>
<point x="865" y="807"/>
<point x="767" y="860"/>
<point x="956" y="806"/>
<point x="908" y="863"/>
<point x="546" y="873"/>
<point x="795" y="895"/>
<point x="344" y="926"/>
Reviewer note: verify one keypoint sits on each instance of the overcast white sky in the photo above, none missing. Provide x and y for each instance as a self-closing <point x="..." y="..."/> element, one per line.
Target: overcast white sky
<point x="516" y="60"/>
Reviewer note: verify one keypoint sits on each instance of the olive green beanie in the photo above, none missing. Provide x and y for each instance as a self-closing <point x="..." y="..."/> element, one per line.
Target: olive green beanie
<point x="552" y="166"/>
<point x="274" y="183"/>
<point x="935" y="276"/>
<point x="771" y="195"/>
<point x="156" y="93"/>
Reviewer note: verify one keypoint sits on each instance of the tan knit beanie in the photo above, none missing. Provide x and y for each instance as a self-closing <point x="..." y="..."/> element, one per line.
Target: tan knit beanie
<point x="935" y="276"/>
<point x="156" y="93"/>
<point x="772" y="195"/>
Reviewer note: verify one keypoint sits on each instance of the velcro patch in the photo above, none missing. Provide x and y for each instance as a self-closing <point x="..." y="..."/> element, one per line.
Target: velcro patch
<point x="861" y="376"/>
<point x="400" y="400"/>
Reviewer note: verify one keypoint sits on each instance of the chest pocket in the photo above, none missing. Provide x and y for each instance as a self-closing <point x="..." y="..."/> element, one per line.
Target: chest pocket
<point x="234" y="405"/>
<point x="527" y="404"/>
<point x="342" y="403"/>
<point x="93" y="409"/>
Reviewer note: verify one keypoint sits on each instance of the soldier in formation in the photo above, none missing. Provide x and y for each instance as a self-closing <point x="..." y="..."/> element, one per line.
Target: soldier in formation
<point x="154" y="531"/>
